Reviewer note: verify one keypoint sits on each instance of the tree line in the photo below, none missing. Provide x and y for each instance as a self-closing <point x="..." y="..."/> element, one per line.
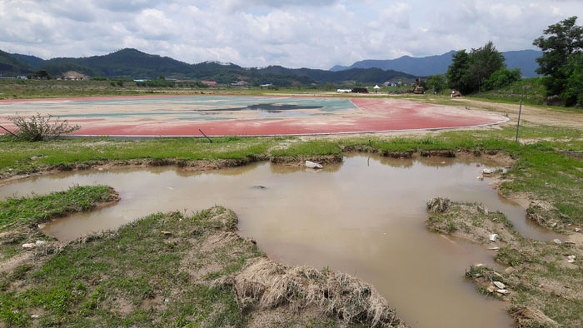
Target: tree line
<point x="484" y="69"/>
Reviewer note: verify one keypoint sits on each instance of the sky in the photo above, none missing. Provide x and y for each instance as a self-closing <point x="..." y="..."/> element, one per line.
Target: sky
<point x="259" y="33"/>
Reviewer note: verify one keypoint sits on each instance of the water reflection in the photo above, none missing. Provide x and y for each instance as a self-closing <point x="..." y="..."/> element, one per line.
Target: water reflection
<point x="364" y="217"/>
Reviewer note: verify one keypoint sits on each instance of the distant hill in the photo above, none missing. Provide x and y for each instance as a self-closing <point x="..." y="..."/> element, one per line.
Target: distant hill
<point x="134" y="64"/>
<point x="34" y="63"/>
<point x="11" y="66"/>
<point x="374" y="75"/>
<point x="525" y="60"/>
<point x="418" y="66"/>
<point x="130" y="63"/>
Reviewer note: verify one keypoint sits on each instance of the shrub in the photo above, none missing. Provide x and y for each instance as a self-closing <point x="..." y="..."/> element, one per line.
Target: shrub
<point x="41" y="127"/>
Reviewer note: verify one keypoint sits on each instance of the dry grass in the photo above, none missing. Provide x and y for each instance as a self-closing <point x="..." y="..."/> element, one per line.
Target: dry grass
<point x="265" y="285"/>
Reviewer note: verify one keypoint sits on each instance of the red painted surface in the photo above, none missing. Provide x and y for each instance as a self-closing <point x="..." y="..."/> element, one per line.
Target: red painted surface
<point x="373" y="115"/>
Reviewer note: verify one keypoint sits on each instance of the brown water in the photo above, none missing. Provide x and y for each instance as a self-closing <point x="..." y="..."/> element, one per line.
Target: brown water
<point x="364" y="217"/>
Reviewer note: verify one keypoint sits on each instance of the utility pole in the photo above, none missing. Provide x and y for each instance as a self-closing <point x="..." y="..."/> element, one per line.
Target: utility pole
<point x="519" y="113"/>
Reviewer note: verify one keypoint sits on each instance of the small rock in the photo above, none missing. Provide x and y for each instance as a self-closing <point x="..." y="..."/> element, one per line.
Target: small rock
<point x="571" y="258"/>
<point x="313" y="165"/>
<point x="260" y="187"/>
<point x="481" y="177"/>
<point x="502" y="291"/>
<point x="577" y="229"/>
<point x="493" y="237"/>
<point x="499" y="285"/>
<point x="40" y="242"/>
<point x="491" y="289"/>
<point x="487" y="171"/>
<point x="166" y="233"/>
<point x="35" y="316"/>
<point x="494" y="248"/>
<point x="29" y="246"/>
<point x="557" y="241"/>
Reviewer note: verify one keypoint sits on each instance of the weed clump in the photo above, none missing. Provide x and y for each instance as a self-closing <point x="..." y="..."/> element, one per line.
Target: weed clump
<point x="40" y="127"/>
<point x="438" y="205"/>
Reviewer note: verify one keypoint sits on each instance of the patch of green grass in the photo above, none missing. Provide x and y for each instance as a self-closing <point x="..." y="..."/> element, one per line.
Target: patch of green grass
<point x="137" y="276"/>
<point x="550" y="176"/>
<point x="26" y="157"/>
<point x="36" y="209"/>
<point x="309" y="148"/>
<point x="510" y="256"/>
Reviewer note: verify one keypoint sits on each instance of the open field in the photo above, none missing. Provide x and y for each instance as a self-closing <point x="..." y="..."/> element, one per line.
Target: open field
<point x="546" y="174"/>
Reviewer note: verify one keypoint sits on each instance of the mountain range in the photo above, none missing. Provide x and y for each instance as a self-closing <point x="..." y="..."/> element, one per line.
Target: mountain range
<point x="134" y="64"/>
<point x="525" y="60"/>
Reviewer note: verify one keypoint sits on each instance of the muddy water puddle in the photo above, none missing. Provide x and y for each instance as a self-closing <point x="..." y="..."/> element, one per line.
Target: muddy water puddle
<point x="364" y="217"/>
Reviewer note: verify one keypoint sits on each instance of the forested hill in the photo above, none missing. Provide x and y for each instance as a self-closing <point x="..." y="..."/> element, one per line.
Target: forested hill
<point x="123" y="63"/>
<point x="134" y="64"/>
<point x="11" y="66"/>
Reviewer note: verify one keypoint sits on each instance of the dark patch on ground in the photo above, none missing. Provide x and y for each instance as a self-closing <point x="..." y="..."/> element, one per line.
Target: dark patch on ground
<point x="269" y="108"/>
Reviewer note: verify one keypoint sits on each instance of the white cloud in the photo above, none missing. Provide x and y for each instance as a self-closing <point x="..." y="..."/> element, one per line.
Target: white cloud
<point x="300" y="33"/>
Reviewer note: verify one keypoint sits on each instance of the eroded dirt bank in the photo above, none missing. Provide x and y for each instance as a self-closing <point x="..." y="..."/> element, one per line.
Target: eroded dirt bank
<point x="540" y="281"/>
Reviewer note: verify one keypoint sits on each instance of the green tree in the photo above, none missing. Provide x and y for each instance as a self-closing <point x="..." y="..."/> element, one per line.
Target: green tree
<point x="560" y="43"/>
<point x="483" y="62"/>
<point x="458" y="70"/>
<point x="501" y="78"/>
<point x="437" y="83"/>
<point x="574" y="85"/>
<point x="469" y="71"/>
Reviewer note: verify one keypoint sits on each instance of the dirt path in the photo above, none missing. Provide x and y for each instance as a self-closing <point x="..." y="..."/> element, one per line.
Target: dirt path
<point x="538" y="115"/>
